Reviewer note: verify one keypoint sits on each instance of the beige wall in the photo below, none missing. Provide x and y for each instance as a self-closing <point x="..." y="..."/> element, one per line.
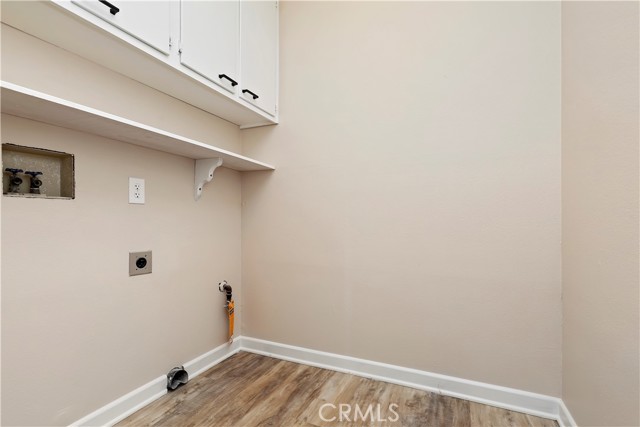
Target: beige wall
<point x="414" y="216"/>
<point x="600" y="56"/>
<point x="77" y="332"/>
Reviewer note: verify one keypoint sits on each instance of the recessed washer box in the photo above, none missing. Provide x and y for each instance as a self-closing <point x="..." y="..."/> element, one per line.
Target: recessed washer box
<point x="139" y="263"/>
<point x="54" y="170"/>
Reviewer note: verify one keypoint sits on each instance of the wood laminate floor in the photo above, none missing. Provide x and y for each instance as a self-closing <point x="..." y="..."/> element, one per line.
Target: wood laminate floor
<point x="252" y="390"/>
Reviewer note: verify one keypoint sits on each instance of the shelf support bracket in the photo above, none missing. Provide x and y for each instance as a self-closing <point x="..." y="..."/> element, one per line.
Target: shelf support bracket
<point x="204" y="172"/>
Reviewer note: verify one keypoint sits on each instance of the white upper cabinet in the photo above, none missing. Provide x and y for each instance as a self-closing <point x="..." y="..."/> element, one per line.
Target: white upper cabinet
<point x="148" y="21"/>
<point x="259" y="50"/>
<point x="218" y="55"/>
<point x="210" y="40"/>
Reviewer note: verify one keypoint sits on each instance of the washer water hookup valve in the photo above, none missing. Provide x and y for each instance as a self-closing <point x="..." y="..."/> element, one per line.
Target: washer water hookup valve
<point x="14" y="180"/>
<point x="36" y="182"/>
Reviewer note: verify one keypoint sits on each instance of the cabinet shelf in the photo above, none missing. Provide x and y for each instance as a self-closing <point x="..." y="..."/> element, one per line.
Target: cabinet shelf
<point x="30" y="104"/>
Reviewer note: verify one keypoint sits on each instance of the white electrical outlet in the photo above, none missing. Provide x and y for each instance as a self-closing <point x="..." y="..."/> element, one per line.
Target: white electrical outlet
<point x="136" y="191"/>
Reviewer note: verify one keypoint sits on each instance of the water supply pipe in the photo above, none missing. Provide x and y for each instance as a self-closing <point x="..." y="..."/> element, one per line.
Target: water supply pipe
<point x="229" y="306"/>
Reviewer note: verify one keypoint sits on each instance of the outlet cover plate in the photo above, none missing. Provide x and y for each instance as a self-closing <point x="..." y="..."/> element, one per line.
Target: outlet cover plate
<point x="139" y="263"/>
<point x="136" y="191"/>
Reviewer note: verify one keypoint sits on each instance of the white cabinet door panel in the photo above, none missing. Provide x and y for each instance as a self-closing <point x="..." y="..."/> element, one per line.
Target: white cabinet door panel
<point x="259" y="50"/>
<point x="148" y="21"/>
<point x="209" y="41"/>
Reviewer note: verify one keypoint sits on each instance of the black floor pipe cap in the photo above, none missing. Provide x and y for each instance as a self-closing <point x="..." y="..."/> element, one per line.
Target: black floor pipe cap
<point x="176" y="377"/>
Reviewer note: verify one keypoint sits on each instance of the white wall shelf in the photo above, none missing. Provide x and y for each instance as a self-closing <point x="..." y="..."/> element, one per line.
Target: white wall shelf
<point x="30" y="104"/>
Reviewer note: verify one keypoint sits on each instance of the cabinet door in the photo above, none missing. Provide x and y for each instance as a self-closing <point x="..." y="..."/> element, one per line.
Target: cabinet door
<point x="148" y="21"/>
<point x="209" y="42"/>
<point x="259" y="32"/>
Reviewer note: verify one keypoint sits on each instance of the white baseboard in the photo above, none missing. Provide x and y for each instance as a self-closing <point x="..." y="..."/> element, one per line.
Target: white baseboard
<point x="131" y="402"/>
<point x="494" y="395"/>
<point x="564" y="416"/>
<point x="208" y="360"/>
<point x="121" y="408"/>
